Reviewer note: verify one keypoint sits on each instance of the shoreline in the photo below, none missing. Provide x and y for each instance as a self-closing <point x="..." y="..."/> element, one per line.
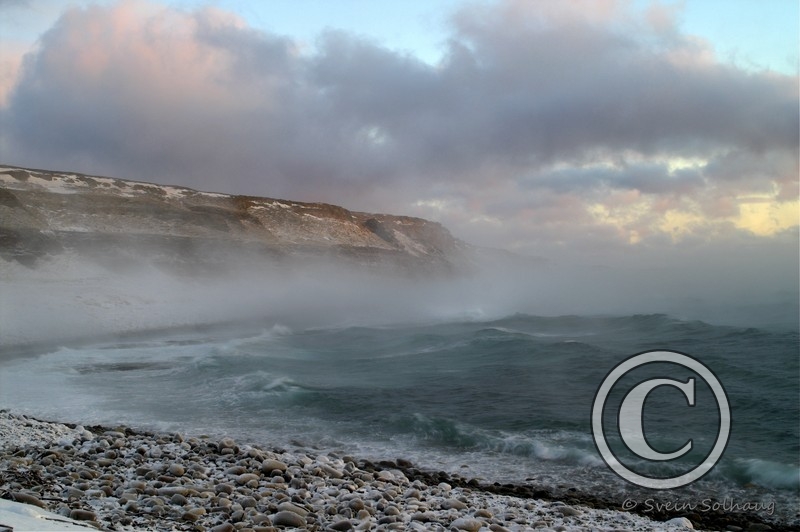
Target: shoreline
<point x="117" y="478"/>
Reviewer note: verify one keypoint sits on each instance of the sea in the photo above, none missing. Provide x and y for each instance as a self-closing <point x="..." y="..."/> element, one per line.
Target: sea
<point x="505" y="400"/>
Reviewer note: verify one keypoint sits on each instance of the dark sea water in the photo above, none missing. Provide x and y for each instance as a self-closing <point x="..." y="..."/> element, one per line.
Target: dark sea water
<point x="505" y="400"/>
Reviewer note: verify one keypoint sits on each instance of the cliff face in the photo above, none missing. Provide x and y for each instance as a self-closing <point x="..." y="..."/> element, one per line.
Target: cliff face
<point x="121" y="223"/>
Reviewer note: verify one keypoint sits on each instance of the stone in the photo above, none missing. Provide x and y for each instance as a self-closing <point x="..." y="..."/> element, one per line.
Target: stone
<point x="223" y="488"/>
<point x="248" y="502"/>
<point x="224" y="527"/>
<point x="569" y="511"/>
<point x="286" y="518"/>
<point x="681" y="521"/>
<point x="453" y="504"/>
<point x="138" y="485"/>
<point x="466" y="523"/>
<point x="82" y="515"/>
<point x="245" y="478"/>
<point x="73" y="494"/>
<point x="289" y="507"/>
<point x="424" y="517"/>
<point x="27" y="498"/>
<point x="356" y="504"/>
<point x="268" y="466"/>
<point x="385" y="476"/>
<point x="176" y="470"/>
<point x="227" y="443"/>
<point x="331" y="472"/>
<point x="341" y="525"/>
<point x="257" y="519"/>
<point x="169" y="491"/>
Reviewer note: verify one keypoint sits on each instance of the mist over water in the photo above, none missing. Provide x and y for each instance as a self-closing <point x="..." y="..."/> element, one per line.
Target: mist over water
<point x="69" y="297"/>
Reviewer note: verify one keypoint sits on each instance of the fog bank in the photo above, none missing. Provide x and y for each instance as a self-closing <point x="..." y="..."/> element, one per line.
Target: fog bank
<point x="69" y="298"/>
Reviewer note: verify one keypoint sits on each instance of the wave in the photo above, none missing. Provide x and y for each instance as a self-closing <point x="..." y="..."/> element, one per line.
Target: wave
<point x="765" y="473"/>
<point x="557" y="446"/>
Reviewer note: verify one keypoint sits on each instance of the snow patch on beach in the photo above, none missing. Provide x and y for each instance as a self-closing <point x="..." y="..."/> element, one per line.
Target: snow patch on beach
<point x="25" y="517"/>
<point x="20" y="431"/>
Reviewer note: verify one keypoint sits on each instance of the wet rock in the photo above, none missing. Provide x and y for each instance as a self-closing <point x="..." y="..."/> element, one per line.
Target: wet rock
<point x="82" y="515"/>
<point x="680" y="521"/>
<point x="453" y="504"/>
<point x="465" y="523"/>
<point x="246" y="478"/>
<point x="569" y="511"/>
<point x="27" y="498"/>
<point x="286" y="518"/>
<point x="289" y="507"/>
<point x="268" y="466"/>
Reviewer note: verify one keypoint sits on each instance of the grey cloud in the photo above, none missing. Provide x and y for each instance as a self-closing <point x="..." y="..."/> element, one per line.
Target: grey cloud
<point x="647" y="177"/>
<point x="216" y="105"/>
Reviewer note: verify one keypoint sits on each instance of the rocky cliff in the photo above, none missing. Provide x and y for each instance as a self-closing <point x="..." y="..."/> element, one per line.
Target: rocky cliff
<point x="121" y="223"/>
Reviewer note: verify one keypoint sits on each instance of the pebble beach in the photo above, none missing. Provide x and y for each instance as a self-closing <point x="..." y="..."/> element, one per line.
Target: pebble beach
<point x="120" y="479"/>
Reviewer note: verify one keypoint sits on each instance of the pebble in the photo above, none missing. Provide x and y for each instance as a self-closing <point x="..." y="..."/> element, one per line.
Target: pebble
<point x="82" y="515"/>
<point x="465" y="523"/>
<point x="289" y="507"/>
<point x="682" y="522"/>
<point x="568" y="511"/>
<point x="268" y="466"/>
<point x="247" y="477"/>
<point x="453" y="504"/>
<point x="133" y="481"/>
<point x="27" y="499"/>
<point x="286" y="518"/>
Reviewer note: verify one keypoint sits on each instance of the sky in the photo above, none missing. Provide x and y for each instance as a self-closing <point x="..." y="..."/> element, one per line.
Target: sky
<point x="605" y="130"/>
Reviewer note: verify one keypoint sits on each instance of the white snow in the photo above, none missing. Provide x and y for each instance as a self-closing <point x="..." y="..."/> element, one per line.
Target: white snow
<point x="57" y="186"/>
<point x="175" y="192"/>
<point x="21" y="432"/>
<point x="415" y="248"/>
<point x="25" y="517"/>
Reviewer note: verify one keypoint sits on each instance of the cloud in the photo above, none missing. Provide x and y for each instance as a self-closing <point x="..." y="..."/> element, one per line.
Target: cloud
<point x="543" y="123"/>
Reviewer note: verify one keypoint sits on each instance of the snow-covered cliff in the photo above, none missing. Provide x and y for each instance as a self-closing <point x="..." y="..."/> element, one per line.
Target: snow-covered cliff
<point x="116" y="221"/>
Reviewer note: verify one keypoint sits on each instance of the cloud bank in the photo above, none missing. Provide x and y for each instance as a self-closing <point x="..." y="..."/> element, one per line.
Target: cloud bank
<point x="547" y="127"/>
